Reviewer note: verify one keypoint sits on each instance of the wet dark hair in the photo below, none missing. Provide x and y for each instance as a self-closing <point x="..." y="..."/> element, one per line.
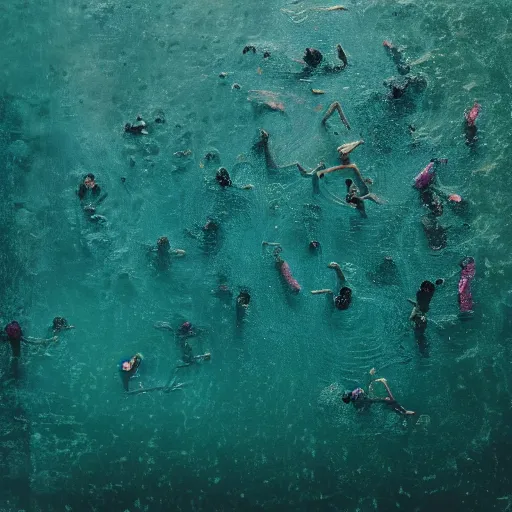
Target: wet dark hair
<point x="344" y="298"/>
<point x="439" y="281"/>
<point x="163" y="243"/>
<point x="59" y="322"/>
<point x="314" y="245"/>
<point x="266" y="55"/>
<point x="348" y="182"/>
<point x="347" y="397"/>
<point x="13" y="331"/>
<point x="90" y="176"/>
<point x="249" y="48"/>
<point x="427" y="286"/>
<point x="244" y="298"/>
<point x="312" y="57"/>
<point x="185" y="328"/>
<point x="223" y="178"/>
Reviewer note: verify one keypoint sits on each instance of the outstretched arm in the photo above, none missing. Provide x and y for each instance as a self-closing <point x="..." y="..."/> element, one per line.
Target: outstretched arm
<point x="30" y="339"/>
<point x="335" y="266"/>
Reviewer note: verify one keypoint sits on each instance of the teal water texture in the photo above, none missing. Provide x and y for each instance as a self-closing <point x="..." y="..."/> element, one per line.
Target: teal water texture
<point x="260" y="426"/>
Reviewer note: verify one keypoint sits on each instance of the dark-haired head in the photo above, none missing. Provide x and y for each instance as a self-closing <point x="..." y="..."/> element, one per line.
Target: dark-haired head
<point x="343" y="300"/>
<point x="314" y="245"/>
<point x="185" y="328"/>
<point x="163" y="244"/>
<point x="312" y="57"/>
<point x="244" y="298"/>
<point x="59" y="323"/>
<point x="223" y="178"/>
<point x="427" y="286"/>
<point x="13" y="331"/>
<point x="347" y="397"/>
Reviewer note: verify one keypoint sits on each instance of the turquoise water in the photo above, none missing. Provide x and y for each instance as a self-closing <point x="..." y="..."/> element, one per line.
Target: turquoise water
<point x="257" y="427"/>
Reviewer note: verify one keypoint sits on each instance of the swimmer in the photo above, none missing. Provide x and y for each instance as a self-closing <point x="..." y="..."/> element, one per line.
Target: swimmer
<point x="344" y="298"/>
<point x="312" y="57"/>
<point x="283" y="267"/>
<point x="353" y="197"/>
<point x="185" y="330"/>
<point x="224" y="180"/>
<point x="427" y="176"/>
<point x="262" y="144"/>
<point x="470" y="127"/>
<point x="467" y="275"/>
<point x="128" y="368"/>
<point x="242" y="305"/>
<point x="399" y="86"/>
<point x="137" y="128"/>
<point x="88" y="187"/>
<point x="249" y="48"/>
<point x="60" y="324"/>
<point x="209" y="234"/>
<point x="14" y="335"/>
<point x="423" y="297"/>
<point x="336" y="107"/>
<point x="360" y="399"/>
<point x="163" y="247"/>
<point x="162" y="252"/>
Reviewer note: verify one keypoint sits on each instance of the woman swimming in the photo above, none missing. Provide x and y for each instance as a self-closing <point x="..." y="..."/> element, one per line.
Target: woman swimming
<point x="360" y="399"/>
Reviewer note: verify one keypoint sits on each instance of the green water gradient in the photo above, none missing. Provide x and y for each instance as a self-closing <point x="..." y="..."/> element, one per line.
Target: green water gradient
<point x="257" y="427"/>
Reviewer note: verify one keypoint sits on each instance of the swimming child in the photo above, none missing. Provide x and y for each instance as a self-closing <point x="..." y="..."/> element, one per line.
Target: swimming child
<point x="128" y="368"/>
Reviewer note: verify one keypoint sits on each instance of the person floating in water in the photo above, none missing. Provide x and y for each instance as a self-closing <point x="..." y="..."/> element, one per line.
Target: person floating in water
<point x="128" y="368"/>
<point x="343" y="299"/>
<point x="313" y="58"/>
<point x="470" y="128"/>
<point x="360" y="399"/>
<point x="242" y="305"/>
<point x="224" y="180"/>
<point x="162" y="253"/>
<point x="353" y="196"/>
<point x="283" y="267"/>
<point x="137" y="128"/>
<point x="467" y="275"/>
<point x="88" y="188"/>
<point x="90" y="191"/>
<point x="14" y="335"/>
<point x="60" y="324"/>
